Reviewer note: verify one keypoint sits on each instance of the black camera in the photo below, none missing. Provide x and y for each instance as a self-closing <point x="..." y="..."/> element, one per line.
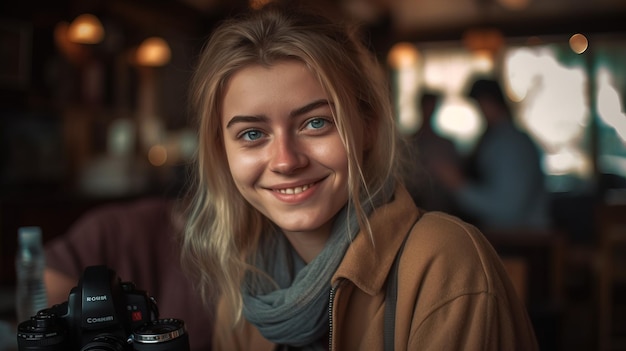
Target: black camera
<point x="102" y="313"/>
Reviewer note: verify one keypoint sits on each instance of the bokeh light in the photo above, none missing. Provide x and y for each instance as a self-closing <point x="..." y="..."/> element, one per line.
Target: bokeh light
<point x="157" y="155"/>
<point x="578" y="43"/>
<point x="86" y="29"/>
<point x="153" y="52"/>
<point x="403" y="55"/>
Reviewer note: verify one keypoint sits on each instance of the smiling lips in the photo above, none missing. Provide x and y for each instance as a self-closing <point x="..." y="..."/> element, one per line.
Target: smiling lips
<point x="295" y="190"/>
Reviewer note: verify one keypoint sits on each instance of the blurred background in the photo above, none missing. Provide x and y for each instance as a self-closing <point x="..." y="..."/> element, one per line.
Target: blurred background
<point x="93" y="110"/>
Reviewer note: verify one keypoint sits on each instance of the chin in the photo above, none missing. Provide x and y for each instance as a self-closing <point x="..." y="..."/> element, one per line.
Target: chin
<point x="297" y="228"/>
<point x="303" y="228"/>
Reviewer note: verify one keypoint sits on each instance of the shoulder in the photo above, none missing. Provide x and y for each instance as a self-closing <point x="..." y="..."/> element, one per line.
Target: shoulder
<point x="441" y="245"/>
<point x="145" y="207"/>
<point x="512" y="133"/>
<point x="448" y="268"/>
<point x="443" y="231"/>
<point x="140" y="212"/>
<point x="118" y="222"/>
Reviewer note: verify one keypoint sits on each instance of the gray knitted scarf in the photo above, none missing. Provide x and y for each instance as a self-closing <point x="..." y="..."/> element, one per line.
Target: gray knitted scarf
<point x="293" y="309"/>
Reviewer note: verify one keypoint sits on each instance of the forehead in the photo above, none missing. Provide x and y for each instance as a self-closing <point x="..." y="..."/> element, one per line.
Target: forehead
<point x="262" y="87"/>
<point x="285" y="71"/>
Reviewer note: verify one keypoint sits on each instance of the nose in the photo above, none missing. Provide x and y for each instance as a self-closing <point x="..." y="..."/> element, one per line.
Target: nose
<point x="286" y="155"/>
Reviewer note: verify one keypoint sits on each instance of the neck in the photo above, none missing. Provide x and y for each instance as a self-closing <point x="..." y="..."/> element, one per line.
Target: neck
<point x="309" y="244"/>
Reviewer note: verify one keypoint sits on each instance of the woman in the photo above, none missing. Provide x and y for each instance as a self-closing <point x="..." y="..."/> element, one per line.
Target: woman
<point x="299" y="210"/>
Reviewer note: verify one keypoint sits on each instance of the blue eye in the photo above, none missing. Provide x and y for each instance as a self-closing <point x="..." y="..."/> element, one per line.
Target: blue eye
<point x="252" y="135"/>
<point x="317" y="123"/>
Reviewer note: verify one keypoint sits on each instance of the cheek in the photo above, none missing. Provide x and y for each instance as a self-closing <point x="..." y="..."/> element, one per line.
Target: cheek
<point x="245" y="169"/>
<point x="333" y="155"/>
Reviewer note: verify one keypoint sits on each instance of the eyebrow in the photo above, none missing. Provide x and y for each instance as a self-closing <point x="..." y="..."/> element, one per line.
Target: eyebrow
<point x="295" y="113"/>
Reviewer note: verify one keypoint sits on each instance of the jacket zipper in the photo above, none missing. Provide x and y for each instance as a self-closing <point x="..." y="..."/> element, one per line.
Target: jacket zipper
<point x="331" y="301"/>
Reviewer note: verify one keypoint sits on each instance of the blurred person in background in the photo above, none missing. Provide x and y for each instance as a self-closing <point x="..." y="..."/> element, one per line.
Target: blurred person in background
<point x="502" y="183"/>
<point x="427" y="148"/>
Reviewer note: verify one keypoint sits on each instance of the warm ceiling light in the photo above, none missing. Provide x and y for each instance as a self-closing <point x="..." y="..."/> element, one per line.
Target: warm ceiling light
<point x="403" y="55"/>
<point x="153" y="52"/>
<point x="578" y="43"/>
<point x="86" y="29"/>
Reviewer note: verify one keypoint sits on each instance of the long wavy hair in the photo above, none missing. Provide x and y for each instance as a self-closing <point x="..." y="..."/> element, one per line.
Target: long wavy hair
<point x="223" y="231"/>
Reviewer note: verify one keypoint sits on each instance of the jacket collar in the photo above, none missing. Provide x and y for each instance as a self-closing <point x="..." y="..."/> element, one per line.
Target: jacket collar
<point x="366" y="262"/>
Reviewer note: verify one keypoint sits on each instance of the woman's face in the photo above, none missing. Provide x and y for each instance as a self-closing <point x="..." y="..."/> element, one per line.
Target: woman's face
<point x="283" y="149"/>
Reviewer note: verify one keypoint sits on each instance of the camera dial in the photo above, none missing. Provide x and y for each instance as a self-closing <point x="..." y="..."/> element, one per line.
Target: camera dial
<point x="161" y="335"/>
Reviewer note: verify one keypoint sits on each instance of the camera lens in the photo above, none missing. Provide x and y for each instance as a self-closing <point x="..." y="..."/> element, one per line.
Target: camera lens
<point x="161" y="335"/>
<point x="43" y="332"/>
<point x="105" y="342"/>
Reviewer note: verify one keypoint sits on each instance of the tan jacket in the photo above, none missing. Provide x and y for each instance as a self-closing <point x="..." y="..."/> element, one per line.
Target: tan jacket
<point x="453" y="292"/>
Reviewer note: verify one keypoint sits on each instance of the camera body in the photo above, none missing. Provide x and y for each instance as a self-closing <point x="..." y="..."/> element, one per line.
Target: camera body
<point x="102" y="313"/>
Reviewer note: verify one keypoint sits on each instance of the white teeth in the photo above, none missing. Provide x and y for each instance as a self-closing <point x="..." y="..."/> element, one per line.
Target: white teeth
<point x="296" y="190"/>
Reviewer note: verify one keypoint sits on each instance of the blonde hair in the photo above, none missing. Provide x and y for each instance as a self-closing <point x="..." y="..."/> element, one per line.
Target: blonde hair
<point x="223" y="230"/>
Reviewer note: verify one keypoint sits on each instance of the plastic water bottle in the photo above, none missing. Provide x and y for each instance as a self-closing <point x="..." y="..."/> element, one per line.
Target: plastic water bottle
<point x="30" y="262"/>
